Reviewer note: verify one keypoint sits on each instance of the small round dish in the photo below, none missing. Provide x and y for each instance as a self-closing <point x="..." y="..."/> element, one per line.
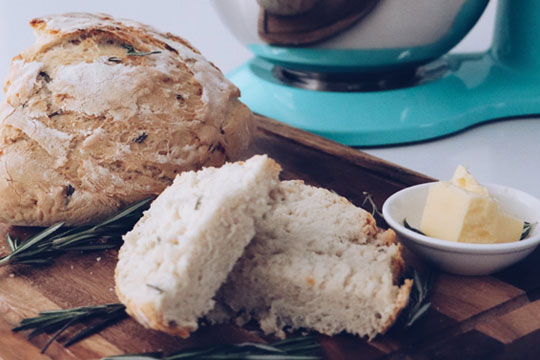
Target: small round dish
<point x="463" y="258"/>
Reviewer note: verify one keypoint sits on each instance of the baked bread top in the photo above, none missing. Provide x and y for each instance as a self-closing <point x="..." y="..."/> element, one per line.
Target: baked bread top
<point x="101" y="112"/>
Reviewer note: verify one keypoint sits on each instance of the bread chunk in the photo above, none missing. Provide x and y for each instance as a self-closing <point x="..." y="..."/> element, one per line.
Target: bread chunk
<point x="102" y="112"/>
<point x="317" y="262"/>
<point x="181" y="251"/>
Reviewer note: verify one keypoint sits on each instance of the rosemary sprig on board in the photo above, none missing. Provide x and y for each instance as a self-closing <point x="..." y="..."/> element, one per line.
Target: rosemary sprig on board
<point x="132" y="52"/>
<point x="300" y="348"/>
<point x="374" y="208"/>
<point x="58" y="321"/>
<point x="418" y="300"/>
<point x="44" y="246"/>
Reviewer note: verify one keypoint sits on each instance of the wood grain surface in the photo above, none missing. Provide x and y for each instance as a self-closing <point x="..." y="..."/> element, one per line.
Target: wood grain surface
<point x="496" y="317"/>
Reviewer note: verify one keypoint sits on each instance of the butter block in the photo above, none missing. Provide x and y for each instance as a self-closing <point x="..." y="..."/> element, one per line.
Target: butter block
<point x="461" y="210"/>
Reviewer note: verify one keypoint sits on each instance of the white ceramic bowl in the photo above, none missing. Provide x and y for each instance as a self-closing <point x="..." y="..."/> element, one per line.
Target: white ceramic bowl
<point x="463" y="258"/>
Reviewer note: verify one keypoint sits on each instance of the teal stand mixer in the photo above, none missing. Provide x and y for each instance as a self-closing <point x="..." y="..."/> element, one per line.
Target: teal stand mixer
<point x="371" y="94"/>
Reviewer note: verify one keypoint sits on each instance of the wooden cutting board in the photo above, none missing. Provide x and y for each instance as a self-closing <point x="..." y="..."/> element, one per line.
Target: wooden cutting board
<point x="471" y="317"/>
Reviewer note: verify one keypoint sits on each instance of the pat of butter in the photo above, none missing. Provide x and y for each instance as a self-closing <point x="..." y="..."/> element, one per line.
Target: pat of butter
<point x="461" y="210"/>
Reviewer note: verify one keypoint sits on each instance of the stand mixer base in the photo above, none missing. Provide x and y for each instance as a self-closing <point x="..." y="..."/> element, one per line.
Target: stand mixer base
<point x="452" y="94"/>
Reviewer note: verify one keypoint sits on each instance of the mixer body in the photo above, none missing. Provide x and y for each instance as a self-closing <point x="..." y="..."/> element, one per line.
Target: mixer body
<point x="374" y="72"/>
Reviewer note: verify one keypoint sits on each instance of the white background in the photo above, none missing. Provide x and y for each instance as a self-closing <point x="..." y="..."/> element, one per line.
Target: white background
<point x="505" y="152"/>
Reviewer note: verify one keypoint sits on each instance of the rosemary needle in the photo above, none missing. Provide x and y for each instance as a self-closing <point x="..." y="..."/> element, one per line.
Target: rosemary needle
<point x="527" y="227"/>
<point x="408" y="226"/>
<point x="132" y="52"/>
<point x="44" y="246"/>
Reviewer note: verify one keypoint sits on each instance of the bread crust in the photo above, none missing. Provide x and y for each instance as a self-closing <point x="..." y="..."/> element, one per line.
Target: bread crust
<point x="401" y="303"/>
<point x="87" y="128"/>
<point x="147" y="315"/>
<point x="388" y="238"/>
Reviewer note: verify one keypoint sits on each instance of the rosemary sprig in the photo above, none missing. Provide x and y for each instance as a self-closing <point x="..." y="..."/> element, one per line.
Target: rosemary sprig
<point x="43" y="247"/>
<point x="58" y="321"/>
<point x="419" y="304"/>
<point x="374" y="209"/>
<point x="418" y="300"/>
<point x="300" y="348"/>
<point x="132" y="52"/>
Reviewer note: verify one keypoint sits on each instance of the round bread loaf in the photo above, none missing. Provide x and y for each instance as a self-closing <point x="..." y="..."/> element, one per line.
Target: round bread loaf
<point x="102" y="112"/>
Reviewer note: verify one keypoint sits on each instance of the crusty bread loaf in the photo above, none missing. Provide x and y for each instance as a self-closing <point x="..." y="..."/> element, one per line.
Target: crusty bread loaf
<point x="102" y="112"/>
<point x="181" y="251"/>
<point x="317" y="262"/>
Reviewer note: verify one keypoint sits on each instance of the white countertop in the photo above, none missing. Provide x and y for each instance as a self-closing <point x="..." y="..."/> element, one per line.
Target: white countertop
<point x="504" y="152"/>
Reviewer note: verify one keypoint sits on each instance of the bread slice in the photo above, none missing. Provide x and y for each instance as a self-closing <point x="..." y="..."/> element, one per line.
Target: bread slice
<point x="181" y="251"/>
<point x="318" y="262"/>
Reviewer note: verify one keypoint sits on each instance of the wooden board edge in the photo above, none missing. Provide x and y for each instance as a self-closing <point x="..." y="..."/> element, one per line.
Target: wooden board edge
<point x="356" y="156"/>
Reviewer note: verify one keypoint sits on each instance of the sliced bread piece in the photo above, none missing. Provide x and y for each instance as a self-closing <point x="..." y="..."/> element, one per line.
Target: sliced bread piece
<point x="318" y="262"/>
<point x="181" y="251"/>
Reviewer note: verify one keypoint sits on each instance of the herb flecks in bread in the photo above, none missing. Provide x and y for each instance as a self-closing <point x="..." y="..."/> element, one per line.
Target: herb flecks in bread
<point x="114" y="109"/>
<point x="177" y="256"/>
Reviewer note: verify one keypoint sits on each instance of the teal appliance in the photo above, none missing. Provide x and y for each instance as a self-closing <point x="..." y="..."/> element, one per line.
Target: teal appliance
<point x="370" y="94"/>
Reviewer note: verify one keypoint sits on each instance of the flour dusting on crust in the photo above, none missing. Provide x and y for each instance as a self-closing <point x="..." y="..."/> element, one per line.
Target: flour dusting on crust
<point x="113" y="108"/>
